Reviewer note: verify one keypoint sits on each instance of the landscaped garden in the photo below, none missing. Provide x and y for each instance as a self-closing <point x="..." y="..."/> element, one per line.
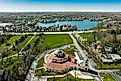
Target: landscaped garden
<point x="88" y="36"/>
<point x="55" y="41"/>
<point x="67" y="78"/>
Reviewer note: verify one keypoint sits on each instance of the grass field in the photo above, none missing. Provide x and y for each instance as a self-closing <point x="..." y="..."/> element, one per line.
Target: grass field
<point x="33" y="40"/>
<point x="107" y="77"/>
<point x="54" y="41"/>
<point x="21" y="45"/>
<point x="11" y="41"/>
<point x="67" y="78"/>
<point x="40" y="63"/>
<point x="89" y="36"/>
<point x="70" y="50"/>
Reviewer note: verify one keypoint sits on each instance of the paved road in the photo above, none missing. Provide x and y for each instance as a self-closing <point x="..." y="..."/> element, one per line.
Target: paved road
<point x="78" y="47"/>
<point x="89" y="62"/>
<point x="13" y="33"/>
<point x="115" y="76"/>
<point x="33" y="66"/>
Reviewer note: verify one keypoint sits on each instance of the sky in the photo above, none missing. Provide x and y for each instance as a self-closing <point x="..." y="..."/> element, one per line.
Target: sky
<point x="60" y="5"/>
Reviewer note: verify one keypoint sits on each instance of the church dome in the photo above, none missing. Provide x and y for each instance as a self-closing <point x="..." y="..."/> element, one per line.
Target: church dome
<point x="59" y="53"/>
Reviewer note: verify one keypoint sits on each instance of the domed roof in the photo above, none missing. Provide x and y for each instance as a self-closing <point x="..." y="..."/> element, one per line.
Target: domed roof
<point x="59" y="53"/>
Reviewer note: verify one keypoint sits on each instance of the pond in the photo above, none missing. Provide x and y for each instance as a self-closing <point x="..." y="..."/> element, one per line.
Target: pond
<point x="85" y="24"/>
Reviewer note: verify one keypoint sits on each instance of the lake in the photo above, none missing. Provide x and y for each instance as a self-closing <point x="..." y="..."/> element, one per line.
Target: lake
<point x="86" y="24"/>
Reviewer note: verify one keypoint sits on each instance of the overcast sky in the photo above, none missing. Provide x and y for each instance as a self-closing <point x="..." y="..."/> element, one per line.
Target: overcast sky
<point x="60" y="5"/>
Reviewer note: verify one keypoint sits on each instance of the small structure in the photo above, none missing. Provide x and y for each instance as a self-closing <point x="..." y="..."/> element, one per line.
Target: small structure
<point x="6" y="24"/>
<point x="116" y="57"/>
<point x="99" y="49"/>
<point x="108" y="49"/>
<point x="107" y="58"/>
<point x="60" y="62"/>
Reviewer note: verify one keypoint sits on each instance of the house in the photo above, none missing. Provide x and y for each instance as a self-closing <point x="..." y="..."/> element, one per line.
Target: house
<point x="99" y="49"/>
<point x="106" y="58"/>
<point x="108" y="49"/>
<point x="116" y="57"/>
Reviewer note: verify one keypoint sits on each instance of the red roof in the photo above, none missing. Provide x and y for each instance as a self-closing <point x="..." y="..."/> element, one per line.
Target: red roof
<point x="59" y="66"/>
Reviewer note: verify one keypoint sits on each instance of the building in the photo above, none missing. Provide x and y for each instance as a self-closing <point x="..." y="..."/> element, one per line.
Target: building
<point x="60" y="62"/>
<point x="6" y="24"/>
<point x="116" y="57"/>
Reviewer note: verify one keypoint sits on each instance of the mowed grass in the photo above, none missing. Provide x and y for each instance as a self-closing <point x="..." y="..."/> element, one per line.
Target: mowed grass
<point x="40" y="63"/>
<point x="21" y="45"/>
<point x="33" y="40"/>
<point x="54" y="41"/>
<point x="70" y="50"/>
<point x="89" y="36"/>
<point x="11" y="41"/>
<point x="67" y="78"/>
<point x="107" y="77"/>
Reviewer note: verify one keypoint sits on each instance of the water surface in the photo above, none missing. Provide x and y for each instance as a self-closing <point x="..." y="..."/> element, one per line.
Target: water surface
<point x="86" y="24"/>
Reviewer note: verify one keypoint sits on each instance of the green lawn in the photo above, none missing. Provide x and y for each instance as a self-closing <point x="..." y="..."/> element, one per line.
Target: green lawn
<point x="67" y="78"/>
<point x="21" y="45"/>
<point x="54" y="41"/>
<point x="42" y="72"/>
<point x="40" y="63"/>
<point x="89" y="36"/>
<point x="107" y="77"/>
<point x="33" y="40"/>
<point x="70" y="50"/>
<point x="11" y="41"/>
<point x="119" y="72"/>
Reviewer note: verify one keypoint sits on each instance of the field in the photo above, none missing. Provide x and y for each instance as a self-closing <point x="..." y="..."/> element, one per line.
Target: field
<point x="54" y="41"/>
<point x="107" y="77"/>
<point x="51" y="41"/>
<point x="24" y="42"/>
<point x="11" y="41"/>
<point x="89" y="36"/>
<point x="70" y="50"/>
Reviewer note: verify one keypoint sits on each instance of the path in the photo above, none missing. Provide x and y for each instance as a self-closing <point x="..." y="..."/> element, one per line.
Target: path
<point x="20" y="50"/>
<point x="30" y="75"/>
